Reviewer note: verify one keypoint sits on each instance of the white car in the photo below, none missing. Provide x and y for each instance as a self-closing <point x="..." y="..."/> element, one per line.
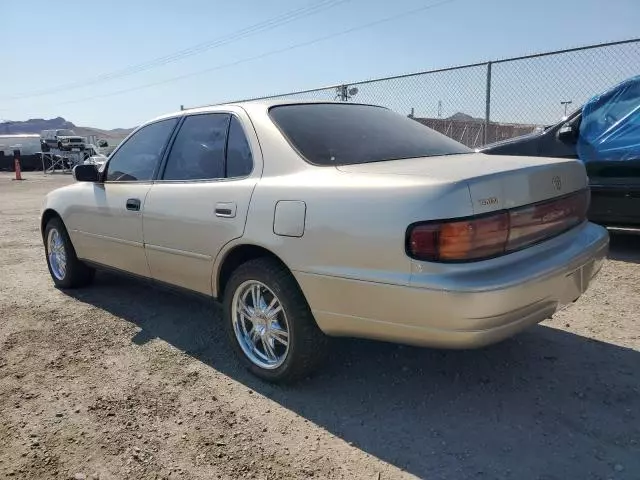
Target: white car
<point x="309" y="220"/>
<point x="93" y="156"/>
<point x="62" y="139"/>
<point x="97" y="160"/>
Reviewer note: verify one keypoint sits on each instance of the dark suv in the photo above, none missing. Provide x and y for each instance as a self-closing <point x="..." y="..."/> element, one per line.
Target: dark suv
<point x="605" y="135"/>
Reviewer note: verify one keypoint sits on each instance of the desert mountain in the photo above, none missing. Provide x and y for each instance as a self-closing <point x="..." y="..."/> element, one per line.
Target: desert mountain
<point x="36" y="125"/>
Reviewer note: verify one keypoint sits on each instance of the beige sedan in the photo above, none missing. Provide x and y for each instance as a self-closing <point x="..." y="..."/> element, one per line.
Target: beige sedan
<point x="309" y="220"/>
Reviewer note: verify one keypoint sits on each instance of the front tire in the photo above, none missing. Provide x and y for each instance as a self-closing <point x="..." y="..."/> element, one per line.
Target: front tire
<point x="65" y="268"/>
<point x="270" y="324"/>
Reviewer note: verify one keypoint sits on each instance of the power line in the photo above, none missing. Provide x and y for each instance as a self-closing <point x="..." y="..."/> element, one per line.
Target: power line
<point x="269" y="24"/>
<point x="263" y="55"/>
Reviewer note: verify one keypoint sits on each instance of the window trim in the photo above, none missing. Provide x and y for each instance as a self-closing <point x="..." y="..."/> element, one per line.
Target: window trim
<point x="163" y="161"/>
<point x="105" y="172"/>
<point x="226" y="146"/>
<point x="163" y="165"/>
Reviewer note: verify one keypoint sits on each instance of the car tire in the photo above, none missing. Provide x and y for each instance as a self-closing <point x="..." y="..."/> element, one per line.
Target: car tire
<point x="66" y="270"/>
<point x="306" y="344"/>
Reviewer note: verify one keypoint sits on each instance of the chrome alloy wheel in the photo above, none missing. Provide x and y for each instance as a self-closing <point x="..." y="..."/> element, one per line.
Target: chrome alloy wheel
<point x="57" y="254"/>
<point x="260" y="324"/>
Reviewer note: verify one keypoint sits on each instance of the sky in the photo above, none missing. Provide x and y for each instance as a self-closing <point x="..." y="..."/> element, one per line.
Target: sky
<point x="96" y="63"/>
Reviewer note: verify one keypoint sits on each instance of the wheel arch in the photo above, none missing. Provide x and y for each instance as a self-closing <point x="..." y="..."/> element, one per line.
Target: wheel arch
<point x="233" y="258"/>
<point x="47" y="215"/>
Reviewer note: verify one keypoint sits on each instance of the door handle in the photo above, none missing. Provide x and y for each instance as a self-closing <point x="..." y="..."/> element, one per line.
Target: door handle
<point x="226" y="209"/>
<point x="133" y="204"/>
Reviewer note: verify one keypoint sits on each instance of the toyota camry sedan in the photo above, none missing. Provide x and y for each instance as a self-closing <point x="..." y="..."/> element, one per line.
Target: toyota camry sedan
<point x="311" y="220"/>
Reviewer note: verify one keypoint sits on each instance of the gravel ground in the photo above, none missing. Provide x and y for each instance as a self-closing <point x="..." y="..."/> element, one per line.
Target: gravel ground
<point x="126" y="381"/>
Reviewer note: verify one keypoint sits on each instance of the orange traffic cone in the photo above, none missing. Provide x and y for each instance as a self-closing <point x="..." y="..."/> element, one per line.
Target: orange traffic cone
<point x="17" y="168"/>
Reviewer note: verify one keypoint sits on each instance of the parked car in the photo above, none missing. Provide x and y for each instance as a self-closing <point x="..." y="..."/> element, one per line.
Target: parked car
<point x="309" y="220"/>
<point x="97" y="160"/>
<point x="607" y="139"/>
<point x="93" y="155"/>
<point x="62" y="139"/>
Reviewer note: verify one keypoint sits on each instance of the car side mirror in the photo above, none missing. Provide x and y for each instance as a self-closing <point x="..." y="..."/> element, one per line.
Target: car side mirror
<point x="568" y="133"/>
<point x="85" y="173"/>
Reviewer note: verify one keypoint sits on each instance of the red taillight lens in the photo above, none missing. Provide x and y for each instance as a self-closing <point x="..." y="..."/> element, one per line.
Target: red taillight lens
<point x="471" y="239"/>
<point x="493" y="235"/>
<point x="460" y="240"/>
<point x="423" y="242"/>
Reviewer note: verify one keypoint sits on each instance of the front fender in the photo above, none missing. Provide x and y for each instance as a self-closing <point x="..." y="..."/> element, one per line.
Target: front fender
<point x="57" y="203"/>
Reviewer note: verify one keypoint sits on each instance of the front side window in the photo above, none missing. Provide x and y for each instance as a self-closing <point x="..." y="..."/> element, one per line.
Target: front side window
<point x="198" y="151"/>
<point x="346" y="134"/>
<point x="137" y="159"/>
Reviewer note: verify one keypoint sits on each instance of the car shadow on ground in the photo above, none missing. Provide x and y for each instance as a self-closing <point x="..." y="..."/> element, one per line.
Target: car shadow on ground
<point x="547" y="404"/>
<point x="625" y="246"/>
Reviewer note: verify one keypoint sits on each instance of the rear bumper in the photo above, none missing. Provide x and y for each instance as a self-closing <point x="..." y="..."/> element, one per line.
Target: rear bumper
<point x="462" y="306"/>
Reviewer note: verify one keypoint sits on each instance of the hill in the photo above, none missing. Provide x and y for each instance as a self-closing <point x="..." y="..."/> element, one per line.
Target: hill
<point x="36" y="125"/>
<point x="463" y="117"/>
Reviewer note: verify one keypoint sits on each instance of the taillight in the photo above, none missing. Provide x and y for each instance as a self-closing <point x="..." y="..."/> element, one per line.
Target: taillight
<point x="495" y="234"/>
<point x="540" y="221"/>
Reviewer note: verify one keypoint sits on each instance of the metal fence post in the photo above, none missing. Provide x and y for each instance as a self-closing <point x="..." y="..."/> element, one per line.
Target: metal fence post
<point x="342" y="93"/>
<point x="487" y="108"/>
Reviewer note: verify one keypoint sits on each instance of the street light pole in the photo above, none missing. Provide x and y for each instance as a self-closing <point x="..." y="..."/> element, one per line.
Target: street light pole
<point x="566" y="103"/>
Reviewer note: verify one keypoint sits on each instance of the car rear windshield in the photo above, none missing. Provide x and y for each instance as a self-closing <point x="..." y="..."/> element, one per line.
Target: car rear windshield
<point x="346" y="134"/>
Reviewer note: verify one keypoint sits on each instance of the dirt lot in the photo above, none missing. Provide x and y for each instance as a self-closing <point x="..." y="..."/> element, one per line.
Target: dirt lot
<point x="126" y="381"/>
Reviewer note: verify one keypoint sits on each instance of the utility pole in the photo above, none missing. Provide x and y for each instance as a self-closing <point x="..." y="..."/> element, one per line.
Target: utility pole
<point x="487" y="106"/>
<point x="342" y="93"/>
<point x="566" y="103"/>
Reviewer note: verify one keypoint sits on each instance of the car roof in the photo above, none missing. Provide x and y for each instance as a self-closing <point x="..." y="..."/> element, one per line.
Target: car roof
<point x="263" y="104"/>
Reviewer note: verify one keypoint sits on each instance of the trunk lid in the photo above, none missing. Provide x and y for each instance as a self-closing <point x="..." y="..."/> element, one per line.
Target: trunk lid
<point x="495" y="182"/>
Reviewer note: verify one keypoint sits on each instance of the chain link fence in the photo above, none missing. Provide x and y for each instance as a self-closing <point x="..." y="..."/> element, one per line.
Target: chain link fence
<point x="487" y="102"/>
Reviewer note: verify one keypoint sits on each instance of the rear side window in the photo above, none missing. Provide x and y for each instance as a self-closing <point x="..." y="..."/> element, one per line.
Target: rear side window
<point x="137" y="159"/>
<point x="199" y="148"/>
<point x="346" y="134"/>
<point x="239" y="159"/>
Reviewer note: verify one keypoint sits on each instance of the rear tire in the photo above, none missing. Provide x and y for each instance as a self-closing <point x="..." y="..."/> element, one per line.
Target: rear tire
<point x="65" y="268"/>
<point x="258" y="335"/>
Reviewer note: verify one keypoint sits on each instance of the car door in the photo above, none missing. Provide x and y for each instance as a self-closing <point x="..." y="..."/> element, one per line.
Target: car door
<point x="201" y="200"/>
<point x="106" y="223"/>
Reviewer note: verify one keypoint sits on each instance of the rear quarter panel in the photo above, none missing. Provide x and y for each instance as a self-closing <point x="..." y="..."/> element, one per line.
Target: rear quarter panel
<point x="355" y="225"/>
